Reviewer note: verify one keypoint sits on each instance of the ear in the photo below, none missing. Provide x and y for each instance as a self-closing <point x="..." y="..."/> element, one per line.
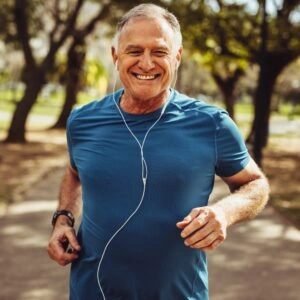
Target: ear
<point x="178" y="57"/>
<point x="114" y="56"/>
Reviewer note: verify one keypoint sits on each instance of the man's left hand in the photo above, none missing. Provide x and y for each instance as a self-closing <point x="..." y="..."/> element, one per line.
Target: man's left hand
<point x="204" y="228"/>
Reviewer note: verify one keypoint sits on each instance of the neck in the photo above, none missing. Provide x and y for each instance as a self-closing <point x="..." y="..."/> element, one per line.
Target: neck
<point x="133" y="105"/>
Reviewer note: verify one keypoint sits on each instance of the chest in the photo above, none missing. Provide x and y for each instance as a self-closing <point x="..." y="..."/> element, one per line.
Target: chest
<point x="171" y="150"/>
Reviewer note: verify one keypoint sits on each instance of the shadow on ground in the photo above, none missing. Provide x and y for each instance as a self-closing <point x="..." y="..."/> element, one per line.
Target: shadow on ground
<point x="26" y="272"/>
<point x="260" y="259"/>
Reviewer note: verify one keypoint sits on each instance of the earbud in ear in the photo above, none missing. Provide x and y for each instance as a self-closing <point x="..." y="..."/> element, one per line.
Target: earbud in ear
<point x="116" y="64"/>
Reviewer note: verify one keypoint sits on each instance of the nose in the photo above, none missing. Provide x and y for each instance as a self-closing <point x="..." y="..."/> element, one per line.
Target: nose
<point x="146" y="63"/>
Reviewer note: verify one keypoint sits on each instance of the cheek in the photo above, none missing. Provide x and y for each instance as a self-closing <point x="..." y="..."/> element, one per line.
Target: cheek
<point x="126" y="65"/>
<point x="170" y="68"/>
<point x="171" y="64"/>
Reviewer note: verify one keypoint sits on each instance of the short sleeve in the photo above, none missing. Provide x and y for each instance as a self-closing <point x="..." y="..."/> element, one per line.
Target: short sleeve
<point x="231" y="152"/>
<point x="69" y="140"/>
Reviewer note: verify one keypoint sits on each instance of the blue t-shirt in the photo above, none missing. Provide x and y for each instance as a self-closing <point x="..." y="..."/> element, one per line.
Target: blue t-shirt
<point x="147" y="260"/>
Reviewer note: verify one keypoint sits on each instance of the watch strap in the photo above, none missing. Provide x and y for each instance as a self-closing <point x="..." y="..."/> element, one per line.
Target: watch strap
<point x="63" y="212"/>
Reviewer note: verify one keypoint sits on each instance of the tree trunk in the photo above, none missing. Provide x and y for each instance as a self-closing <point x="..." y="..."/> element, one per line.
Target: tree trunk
<point x="17" y="129"/>
<point x="262" y="111"/>
<point x="229" y="103"/>
<point x="269" y="71"/>
<point x="70" y="101"/>
<point x="227" y="87"/>
<point x="76" y="57"/>
<point x="35" y="74"/>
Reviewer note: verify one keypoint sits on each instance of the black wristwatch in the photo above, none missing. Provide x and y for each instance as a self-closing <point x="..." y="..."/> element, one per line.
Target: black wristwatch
<point x="63" y="212"/>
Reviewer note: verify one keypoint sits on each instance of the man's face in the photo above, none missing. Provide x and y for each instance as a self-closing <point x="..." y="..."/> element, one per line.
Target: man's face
<point x="147" y="58"/>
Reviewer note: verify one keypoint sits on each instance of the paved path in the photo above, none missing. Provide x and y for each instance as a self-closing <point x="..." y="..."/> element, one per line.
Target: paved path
<point x="259" y="261"/>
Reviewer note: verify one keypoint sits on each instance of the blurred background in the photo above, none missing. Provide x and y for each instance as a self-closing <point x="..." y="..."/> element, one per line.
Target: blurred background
<point x="55" y="55"/>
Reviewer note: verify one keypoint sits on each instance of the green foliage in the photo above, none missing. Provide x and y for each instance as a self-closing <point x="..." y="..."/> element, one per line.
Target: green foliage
<point x="210" y="35"/>
<point x="94" y="71"/>
<point x="230" y="31"/>
<point x="7" y="28"/>
<point x="288" y="84"/>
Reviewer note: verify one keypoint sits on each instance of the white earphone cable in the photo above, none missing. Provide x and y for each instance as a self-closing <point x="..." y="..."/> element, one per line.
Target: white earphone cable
<point x="144" y="177"/>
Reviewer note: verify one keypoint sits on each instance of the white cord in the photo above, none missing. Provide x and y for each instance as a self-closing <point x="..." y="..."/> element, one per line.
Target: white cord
<point x="144" y="178"/>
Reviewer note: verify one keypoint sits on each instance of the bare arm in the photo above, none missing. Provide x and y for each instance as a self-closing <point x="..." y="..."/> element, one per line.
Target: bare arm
<point x="250" y="192"/>
<point x="205" y="227"/>
<point x="63" y="234"/>
<point x="70" y="192"/>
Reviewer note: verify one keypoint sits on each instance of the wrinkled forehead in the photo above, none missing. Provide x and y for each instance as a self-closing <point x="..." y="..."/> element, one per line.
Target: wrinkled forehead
<point x="144" y="28"/>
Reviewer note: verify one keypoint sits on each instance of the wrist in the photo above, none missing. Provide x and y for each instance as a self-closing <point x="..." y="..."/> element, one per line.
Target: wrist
<point x="221" y="211"/>
<point x="63" y="220"/>
<point x="63" y="217"/>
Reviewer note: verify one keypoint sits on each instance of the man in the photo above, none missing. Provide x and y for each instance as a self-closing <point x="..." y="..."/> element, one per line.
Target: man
<point x="144" y="160"/>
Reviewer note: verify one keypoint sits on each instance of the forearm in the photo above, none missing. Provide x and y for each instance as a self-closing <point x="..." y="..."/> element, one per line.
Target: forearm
<point x="64" y="234"/>
<point x="70" y="193"/>
<point x="246" y="201"/>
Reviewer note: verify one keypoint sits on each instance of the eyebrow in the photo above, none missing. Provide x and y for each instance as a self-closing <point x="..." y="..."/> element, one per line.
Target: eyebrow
<point x="132" y="46"/>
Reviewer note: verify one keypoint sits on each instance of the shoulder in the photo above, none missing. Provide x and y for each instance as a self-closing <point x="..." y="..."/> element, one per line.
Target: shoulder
<point x="94" y="107"/>
<point x="199" y="107"/>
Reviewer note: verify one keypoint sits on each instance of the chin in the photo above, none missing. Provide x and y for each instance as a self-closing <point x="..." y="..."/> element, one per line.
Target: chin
<point x="145" y="93"/>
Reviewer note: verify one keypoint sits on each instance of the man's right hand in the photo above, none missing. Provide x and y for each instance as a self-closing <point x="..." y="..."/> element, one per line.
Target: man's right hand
<point x="63" y="236"/>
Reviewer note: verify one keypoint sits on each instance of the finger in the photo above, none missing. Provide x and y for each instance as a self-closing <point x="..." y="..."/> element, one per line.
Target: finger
<point x="206" y="242"/>
<point x="72" y="239"/>
<point x="190" y="217"/>
<point x="182" y="224"/>
<point x="65" y="261"/>
<point x="69" y="257"/>
<point x="199" y="234"/>
<point x="60" y="256"/>
<point x="57" y="248"/>
<point x="197" y="223"/>
<point x="213" y="246"/>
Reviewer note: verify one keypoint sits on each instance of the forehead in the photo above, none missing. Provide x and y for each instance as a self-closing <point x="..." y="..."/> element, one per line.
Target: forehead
<point x="146" y="32"/>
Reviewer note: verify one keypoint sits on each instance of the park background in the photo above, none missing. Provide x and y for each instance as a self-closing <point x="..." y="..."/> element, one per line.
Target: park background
<point x="55" y="55"/>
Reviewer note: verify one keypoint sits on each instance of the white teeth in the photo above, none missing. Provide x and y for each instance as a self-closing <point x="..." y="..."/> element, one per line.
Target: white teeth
<point x="145" y="77"/>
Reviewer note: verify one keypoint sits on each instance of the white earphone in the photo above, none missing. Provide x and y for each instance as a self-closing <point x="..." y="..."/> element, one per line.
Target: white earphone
<point x="144" y="176"/>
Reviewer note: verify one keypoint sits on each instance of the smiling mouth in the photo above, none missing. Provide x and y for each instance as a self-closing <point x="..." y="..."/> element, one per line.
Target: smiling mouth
<point x="146" y="77"/>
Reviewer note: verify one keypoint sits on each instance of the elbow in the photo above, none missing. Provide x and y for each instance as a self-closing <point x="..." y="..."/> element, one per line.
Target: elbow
<point x="260" y="195"/>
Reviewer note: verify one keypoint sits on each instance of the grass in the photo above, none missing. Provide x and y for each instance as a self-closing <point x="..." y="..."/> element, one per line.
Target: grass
<point x="49" y="107"/>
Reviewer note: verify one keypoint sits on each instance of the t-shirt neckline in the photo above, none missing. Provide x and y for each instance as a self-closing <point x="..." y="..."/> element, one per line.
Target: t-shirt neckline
<point x="149" y="115"/>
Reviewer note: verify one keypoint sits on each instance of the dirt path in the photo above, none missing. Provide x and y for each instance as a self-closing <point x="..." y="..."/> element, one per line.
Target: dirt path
<point x="26" y="272"/>
<point x="260" y="259"/>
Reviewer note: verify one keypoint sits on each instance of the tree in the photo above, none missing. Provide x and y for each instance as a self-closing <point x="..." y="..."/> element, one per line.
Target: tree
<point x="226" y="73"/>
<point x="279" y="46"/>
<point x="76" y="58"/>
<point x="6" y="28"/>
<point x="36" y="70"/>
<point x="271" y="41"/>
<point x="208" y="33"/>
<point x="109" y="12"/>
<point x="287" y="87"/>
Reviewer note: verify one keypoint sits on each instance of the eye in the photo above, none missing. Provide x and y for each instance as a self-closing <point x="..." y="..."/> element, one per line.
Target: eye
<point x="160" y="53"/>
<point x="135" y="52"/>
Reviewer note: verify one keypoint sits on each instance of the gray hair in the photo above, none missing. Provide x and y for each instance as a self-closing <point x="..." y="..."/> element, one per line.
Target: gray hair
<point x="151" y="11"/>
